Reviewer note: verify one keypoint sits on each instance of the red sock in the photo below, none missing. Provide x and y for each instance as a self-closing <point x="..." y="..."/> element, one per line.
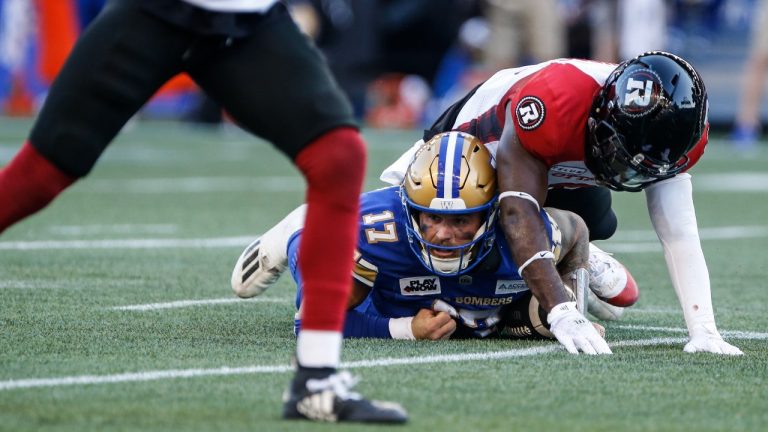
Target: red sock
<point x="27" y="184"/>
<point x="334" y="167"/>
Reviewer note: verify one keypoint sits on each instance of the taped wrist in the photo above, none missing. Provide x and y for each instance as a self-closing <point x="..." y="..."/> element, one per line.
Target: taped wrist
<point x="537" y="256"/>
<point x="522" y="195"/>
<point x="400" y="328"/>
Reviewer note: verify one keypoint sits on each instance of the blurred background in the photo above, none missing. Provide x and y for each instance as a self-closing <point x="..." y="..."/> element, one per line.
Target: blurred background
<point x="403" y="61"/>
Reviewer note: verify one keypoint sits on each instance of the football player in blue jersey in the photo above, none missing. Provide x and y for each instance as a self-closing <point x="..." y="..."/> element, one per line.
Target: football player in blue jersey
<point x="429" y="262"/>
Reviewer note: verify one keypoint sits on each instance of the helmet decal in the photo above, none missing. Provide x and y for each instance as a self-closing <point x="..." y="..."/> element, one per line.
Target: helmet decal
<point x="530" y="112"/>
<point x="638" y="92"/>
<point x="449" y="166"/>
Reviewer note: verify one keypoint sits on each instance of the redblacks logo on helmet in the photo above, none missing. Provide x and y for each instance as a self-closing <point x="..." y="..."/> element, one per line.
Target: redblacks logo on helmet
<point x="638" y="92"/>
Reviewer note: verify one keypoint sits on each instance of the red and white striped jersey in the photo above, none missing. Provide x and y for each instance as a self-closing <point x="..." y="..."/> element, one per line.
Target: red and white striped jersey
<point x="550" y="104"/>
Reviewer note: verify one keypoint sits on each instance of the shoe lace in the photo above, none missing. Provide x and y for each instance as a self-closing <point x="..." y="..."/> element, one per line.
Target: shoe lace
<point x="339" y="383"/>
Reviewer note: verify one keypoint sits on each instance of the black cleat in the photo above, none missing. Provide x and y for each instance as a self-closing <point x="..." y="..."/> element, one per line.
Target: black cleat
<point x="323" y="394"/>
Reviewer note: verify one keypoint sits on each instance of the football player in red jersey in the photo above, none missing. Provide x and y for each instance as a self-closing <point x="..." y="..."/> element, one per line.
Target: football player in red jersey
<point x="566" y="131"/>
<point x="250" y="57"/>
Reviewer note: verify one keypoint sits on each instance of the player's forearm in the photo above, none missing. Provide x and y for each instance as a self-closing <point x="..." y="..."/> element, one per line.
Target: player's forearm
<point x="527" y="237"/>
<point x="690" y="278"/>
<point x="670" y="206"/>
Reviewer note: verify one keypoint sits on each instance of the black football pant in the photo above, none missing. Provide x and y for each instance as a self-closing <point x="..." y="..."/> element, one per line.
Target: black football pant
<point x="272" y="81"/>
<point x="593" y="204"/>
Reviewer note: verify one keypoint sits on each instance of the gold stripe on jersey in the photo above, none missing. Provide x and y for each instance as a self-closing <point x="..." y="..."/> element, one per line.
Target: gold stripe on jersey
<point x="363" y="280"/>
<point x="364" y="271"/>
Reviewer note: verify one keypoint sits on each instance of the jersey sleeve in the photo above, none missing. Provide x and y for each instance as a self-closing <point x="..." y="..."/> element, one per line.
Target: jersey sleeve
<point x="359" y="324"/>
<point x="550" y="112"/>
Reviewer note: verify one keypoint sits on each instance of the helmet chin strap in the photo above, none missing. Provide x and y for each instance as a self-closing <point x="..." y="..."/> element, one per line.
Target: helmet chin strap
<point x="445" y="265"/>
<point x="453" y="265"/>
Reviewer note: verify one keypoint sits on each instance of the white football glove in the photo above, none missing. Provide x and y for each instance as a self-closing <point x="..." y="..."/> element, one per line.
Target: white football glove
<point x="706" y="338"/>
<point x="574" y="331"/>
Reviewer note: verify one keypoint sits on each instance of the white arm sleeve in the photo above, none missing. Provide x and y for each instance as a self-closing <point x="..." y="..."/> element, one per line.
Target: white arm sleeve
<point x="395" y="173"/>
<point x="670" y="205"/>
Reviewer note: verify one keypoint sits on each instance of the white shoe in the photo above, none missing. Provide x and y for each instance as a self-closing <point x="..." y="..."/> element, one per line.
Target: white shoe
<point x="607" y="277"/>
<point x="263" y="261"/>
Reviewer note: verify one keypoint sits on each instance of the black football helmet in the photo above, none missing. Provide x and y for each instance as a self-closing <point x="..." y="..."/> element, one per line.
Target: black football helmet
<point x="650" y="113"/>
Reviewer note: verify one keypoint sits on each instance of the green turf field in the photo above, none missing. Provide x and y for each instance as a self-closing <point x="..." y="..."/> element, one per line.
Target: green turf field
<point x="116" y="311"/>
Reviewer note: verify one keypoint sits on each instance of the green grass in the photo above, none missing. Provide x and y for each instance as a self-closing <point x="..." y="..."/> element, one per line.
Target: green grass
<point x="167" y="181"/>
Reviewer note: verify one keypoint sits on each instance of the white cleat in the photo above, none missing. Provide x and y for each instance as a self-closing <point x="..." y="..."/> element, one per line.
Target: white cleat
<point x="607" y="277"/>
<point x="263" y="261"/>
<point x="613" y="286"/>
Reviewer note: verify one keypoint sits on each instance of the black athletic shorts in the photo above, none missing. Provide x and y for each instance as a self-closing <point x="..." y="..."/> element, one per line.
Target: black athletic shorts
<point x="593" y="204"/>
<point x="266" y="74"/>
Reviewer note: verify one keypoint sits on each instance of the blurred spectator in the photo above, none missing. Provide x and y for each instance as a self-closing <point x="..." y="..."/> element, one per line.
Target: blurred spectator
<point x="393" y="52"/>
<point x="747" y="126"/>
<point x="523" y="32"/>
<point x="695" y="23"/>
<point x="396" y="100"/>
<point x="623" y="29"/>
<point x="642" y="27"/>
<point x="35" y="38"/>
<point x="416" y="34"/>
<point x="16" y="33"/>
<point x="345" y="31"/>
<point x="578" y="29"/>
<point x="604" y="25"/>
<point x="461" y="69"/>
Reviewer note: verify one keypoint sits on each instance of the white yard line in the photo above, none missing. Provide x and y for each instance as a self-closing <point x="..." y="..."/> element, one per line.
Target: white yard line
<point x="731" y="182"/>
<point x="193" y="185"/>
<point x="188" y="303"/>
<point x="622" y="243"/>
<point x="733" y="334"/>
<point x="383" y="362"/>
<point x="68" y="284"/>
<point x="137" y="376"/>
<point x="203" y="243"/>
<point x="102" y="229"/>
<point x="655" y="310"/>
<point x="642" y="241"/>
<point x="627" y="248"/>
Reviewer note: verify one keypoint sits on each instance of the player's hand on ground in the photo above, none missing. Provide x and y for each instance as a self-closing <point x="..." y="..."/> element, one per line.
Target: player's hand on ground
<point x="708" y="339"/>
<point x="432" y="325"/>
<point x="574" y="331"/>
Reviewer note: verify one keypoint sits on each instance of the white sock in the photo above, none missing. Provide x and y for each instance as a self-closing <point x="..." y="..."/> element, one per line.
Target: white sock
<point x="319" y="348"/>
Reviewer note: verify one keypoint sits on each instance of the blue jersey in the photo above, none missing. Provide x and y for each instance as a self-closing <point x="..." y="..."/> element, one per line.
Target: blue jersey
<point x="401" y="285"/>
